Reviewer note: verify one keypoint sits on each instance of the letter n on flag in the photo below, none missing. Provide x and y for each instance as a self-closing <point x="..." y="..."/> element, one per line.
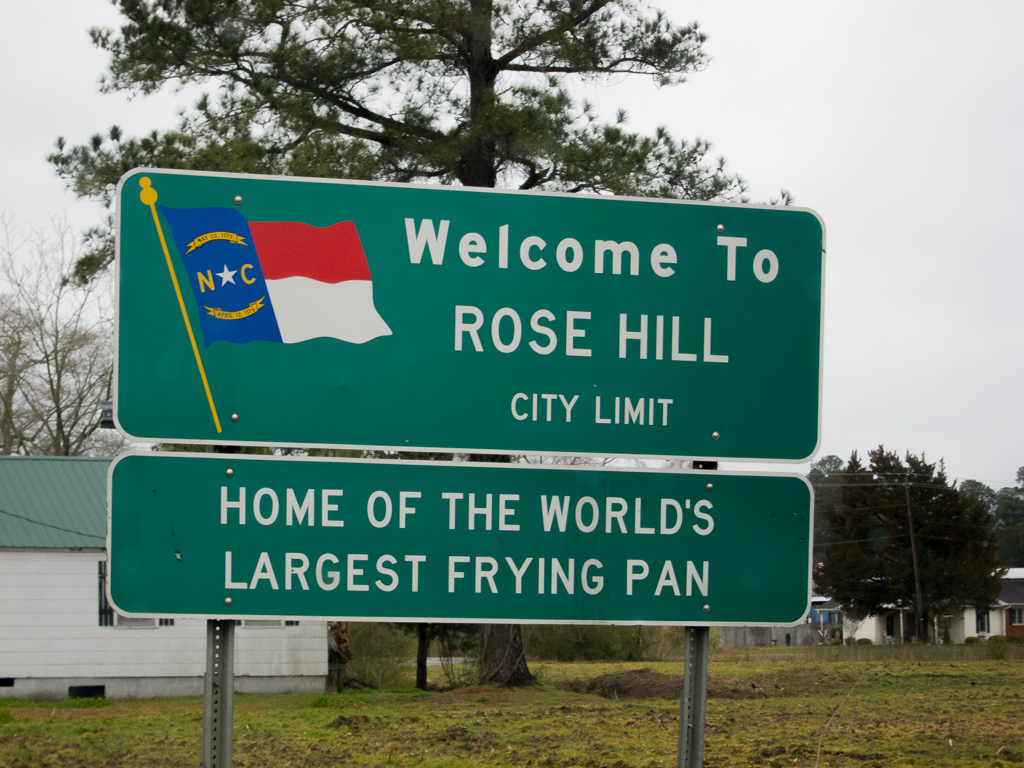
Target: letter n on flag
<point x="279" y="281"/>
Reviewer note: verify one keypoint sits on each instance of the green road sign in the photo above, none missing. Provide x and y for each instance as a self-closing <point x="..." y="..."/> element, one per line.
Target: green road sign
<point x="219" y="535"/>
<point x="282" y="311"/>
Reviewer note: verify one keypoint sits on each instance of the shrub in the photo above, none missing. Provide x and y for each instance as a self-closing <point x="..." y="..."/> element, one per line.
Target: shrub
<point x="573" y="642"/>
<point x="714" y="637"/>
<point x="996" y="647"/>
<point x="457" y="641"/>
<point x="1014" y="639"/>
<point x="865" y="641"/>
<point x="378" y="651"/>
<point x="972" y="640"/>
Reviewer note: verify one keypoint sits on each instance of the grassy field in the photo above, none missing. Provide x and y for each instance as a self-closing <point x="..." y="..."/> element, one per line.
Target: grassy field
<point x="858" y="706"/>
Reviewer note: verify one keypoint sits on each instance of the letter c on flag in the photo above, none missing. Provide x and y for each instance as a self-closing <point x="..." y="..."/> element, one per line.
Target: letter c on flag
<point x="247" y="280"/>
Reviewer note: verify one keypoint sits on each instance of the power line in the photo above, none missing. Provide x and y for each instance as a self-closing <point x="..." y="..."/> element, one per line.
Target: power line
<point x="48" y="525"/>
<point x="904" y="535"/>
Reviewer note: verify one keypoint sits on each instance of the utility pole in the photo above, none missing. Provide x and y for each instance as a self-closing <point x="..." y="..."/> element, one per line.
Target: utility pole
<point x="917" y="571"/>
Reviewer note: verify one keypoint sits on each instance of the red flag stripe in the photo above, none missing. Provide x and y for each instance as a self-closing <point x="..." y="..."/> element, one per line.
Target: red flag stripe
<point x="292" y="249"/>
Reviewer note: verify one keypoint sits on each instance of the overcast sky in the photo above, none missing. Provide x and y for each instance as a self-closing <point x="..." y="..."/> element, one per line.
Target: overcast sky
<point x="899" y="123"/>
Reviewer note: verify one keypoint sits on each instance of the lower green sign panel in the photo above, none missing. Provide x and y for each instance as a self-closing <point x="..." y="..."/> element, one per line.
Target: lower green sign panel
<point x="230" y="535"/>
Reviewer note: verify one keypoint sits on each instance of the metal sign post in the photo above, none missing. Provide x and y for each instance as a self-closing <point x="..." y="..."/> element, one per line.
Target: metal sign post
<point x="693" y="699"/>
<point x="219" y="693"/>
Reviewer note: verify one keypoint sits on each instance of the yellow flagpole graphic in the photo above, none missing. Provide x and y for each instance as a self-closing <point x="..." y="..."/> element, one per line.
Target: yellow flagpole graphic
<point x="148" y="197"/>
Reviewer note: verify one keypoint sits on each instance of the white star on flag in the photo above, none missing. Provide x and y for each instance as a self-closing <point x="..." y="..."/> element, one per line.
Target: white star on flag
<point x="227" y="276"/>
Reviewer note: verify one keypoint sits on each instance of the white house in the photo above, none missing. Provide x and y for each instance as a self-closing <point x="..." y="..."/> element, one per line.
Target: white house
<point x="1006" y="617"/>
<point x="898" y="627"/>
<point x="1012" y="596"/>
<point x="58" y="635"/>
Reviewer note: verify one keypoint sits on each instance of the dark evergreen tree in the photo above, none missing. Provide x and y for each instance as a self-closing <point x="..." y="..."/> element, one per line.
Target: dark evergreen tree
<point x="825" y="476"/>
<point x="1006" y="506"/>
<point x="1009" y="513"/>
<point x="980" y="492"/>
<point x="889" y="510"/>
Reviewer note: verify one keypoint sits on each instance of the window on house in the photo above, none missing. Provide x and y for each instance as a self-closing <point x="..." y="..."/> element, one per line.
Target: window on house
<point x="1017" y="616"/>
<point x="291" y="623"/>
<point x="166" y="622"/>
<point x="890" y="625"/>
<point x="106" y="611"/>
<point x="981" y="622"/>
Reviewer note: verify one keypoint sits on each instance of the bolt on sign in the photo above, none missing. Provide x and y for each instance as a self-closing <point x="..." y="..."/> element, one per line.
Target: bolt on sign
<point x="283" y="311"/>
<point x="232" y="535"/>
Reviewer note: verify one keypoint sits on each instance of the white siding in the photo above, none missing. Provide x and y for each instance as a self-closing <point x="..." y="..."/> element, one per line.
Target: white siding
<point x="996" y="623"/>
<point x="49" y="628"/>
<point x="958" y="627"/>
<point x="877" y="624"/>
<point x="873" y="629"/>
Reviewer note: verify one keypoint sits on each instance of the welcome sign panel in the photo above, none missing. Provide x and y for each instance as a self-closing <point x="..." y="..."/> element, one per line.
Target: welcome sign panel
<point x="282" y="311"/>
<point x="206" y="535"/>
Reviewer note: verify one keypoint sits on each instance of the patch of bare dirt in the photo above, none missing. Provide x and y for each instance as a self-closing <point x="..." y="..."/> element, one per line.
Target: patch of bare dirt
<point x="630" y="684"/>
<point x="648" y="684"/>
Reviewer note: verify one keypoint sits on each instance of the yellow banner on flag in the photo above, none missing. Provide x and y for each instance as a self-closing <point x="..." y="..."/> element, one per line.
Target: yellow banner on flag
<point x="231" y="237"/>
<point x="237" y="314"/>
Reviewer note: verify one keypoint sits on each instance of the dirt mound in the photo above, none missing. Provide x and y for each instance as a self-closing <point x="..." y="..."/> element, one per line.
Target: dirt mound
<point x="631" y="684"/>
<point x="648" y="684"/>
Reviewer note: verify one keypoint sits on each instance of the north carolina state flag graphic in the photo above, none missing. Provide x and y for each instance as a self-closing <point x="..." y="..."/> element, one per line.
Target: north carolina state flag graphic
<point x="280" y="281"/>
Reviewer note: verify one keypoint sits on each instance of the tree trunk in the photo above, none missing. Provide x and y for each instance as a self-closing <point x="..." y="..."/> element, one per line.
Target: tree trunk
<point x="339" y="654"/>
<point x="478" y="165"/>
<point x="503" y="656"/>
<point x="502" y="652"/>
<point x="422" y="650"/>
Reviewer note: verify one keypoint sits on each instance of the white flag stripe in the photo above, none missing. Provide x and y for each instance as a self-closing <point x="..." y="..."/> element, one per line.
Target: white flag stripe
<point x="309" y="309"/>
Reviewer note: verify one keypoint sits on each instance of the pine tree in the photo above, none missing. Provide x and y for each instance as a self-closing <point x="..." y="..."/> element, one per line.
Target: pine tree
<point x="467" y="91"/>
<point x="1006" y="506"/>
<point x="1009" y="511"/>
<point x="825" y="476"/>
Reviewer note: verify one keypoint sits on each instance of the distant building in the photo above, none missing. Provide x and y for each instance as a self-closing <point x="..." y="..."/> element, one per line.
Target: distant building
<point x="1003" y="618"/>
<point x="60" y="637"/>
<point x="822" y="625"/>
<point x="1012" y="597"/>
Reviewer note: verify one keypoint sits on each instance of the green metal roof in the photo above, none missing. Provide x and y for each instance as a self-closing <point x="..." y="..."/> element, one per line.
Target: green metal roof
<point x="53" y="501"/>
